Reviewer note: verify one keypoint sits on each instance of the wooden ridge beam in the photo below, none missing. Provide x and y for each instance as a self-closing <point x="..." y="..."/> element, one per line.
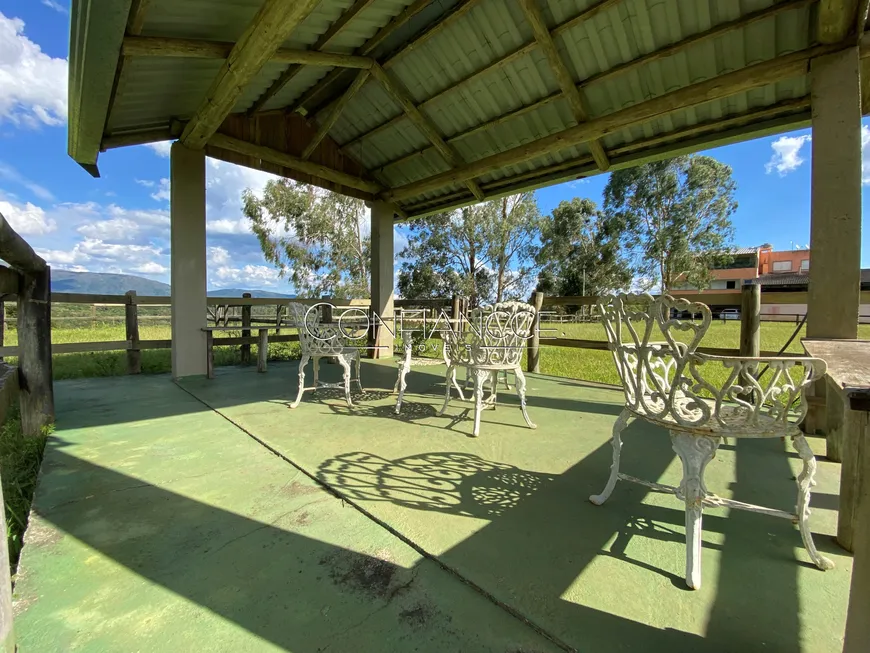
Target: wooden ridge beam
<point x="656" y="55"/>
<point x="273" y="23"/>
<point x="743" y="79"/>
<point x="400" y="94"/>
<point x="334" y="114"/>
<point x="293" y="162"/>
<point x="159" y="46"/>
<point x="836" y="20"/>
<point x="366" y="48"/>
<point x="320" y="43"/>
<point x="563" y="75"/>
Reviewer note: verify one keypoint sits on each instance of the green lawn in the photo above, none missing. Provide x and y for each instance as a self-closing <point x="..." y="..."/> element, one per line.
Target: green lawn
<point x="584" y="364"/>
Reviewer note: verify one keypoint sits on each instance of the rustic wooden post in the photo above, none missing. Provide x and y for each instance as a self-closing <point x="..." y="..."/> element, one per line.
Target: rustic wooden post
<point x="131" y="321"/>
<point x="750" y="320"/>
<point x="262" y="350"/>
<point x="533" y="364"/>
<point x="279" y="314"/>
<point x="2" y="325"/>
<point x="246" y="330"/>
<point x="455" y="312"/>
<point x="34" y="352"/>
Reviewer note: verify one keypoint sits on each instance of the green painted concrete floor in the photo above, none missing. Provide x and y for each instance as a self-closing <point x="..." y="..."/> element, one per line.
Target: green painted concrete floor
<point x="188" y="518"/>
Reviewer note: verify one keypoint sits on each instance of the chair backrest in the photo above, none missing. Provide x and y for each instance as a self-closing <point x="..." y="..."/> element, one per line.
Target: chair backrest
<point x="495" y="336"/>
<point x="315" y="339"/>
<point x="649" y="359"/>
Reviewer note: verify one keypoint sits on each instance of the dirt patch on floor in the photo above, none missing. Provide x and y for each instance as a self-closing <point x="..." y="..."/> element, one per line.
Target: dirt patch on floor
<point x="297" y="489"/>
<point x="373" y="576"/>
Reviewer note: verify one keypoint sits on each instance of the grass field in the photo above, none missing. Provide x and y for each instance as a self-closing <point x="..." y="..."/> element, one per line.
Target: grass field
<point x="584" y="364"/>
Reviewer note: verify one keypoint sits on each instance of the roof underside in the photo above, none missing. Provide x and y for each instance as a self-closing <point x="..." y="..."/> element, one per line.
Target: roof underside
<point x="476" y="77"/>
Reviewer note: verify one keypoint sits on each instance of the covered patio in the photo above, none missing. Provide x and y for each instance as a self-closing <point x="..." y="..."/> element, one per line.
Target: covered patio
<point x="209" y="516"/>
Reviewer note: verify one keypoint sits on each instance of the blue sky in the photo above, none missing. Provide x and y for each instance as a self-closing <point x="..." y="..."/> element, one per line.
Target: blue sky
<point x="120" y="223"/>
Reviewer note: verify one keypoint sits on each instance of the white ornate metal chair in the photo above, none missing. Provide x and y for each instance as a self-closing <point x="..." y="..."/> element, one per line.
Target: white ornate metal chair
<point x="322" y="341"/>
<point x="667" y="384"/>
<point x="492" y="345"/>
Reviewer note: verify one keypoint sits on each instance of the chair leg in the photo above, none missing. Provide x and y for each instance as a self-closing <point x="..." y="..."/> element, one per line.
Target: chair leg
<point x="403" y="372"/>
<point x="492" y="400"/>
<point x="302" y="364"/>
<point x="480" y="378"/>
<point x="507" y="385"/>
<point x="616" y="441"/>
<point x="805" y="482"/>
<point x="695" y="451"/>
<point x="521" y="393"/>
<point x="451" y="376"/>
<point x="345" y="364"/>
<point x="358" y="374"/>
<point x="452" y="379"/>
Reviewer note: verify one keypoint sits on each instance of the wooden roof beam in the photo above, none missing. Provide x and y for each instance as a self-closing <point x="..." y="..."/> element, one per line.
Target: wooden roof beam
<point x="755" y="76"/>
<point x="294" y="163"/>
<point x="836" y="20"/>
<point x="329" y="121"/>
<point x="159" y="46"/>
<point x="271" y="26"/>
<point x="320" y="43"/>
<point x="400" y="94"/>
<point x="563" y="75"/>
<point x="366" y="48"/>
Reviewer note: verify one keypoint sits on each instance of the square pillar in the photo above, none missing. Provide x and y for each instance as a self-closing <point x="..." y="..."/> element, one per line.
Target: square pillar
<point x="835" y="227"/>
<point x="383" y="329"/>
<point x="188" y="261"/>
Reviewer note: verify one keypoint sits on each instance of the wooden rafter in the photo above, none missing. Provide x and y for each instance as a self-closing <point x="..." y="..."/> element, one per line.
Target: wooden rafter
<point x="563" y="75"/>
<point x="400" y="94"/>
<point x="321" y="42"/>
<point x="634" y="64"/>
<point x="334" y="114"/>
<point x="294" y="163"/>
<point x="755" y="76"/>
<point x="158" y="46"/>
<point x="836" y="20"/>
<point x="138" y="11"/>
<point x="516" y="54"/>
<point x="366" y="48"/>
<point x="271" y="26"/>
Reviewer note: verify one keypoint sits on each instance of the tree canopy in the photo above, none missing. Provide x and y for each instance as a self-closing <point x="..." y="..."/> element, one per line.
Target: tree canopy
<point x="673" y="218"/>
<point x="319" y="240"/>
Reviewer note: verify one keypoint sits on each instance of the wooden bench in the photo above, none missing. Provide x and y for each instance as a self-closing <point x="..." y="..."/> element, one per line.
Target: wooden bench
<point x="262" y="343"/>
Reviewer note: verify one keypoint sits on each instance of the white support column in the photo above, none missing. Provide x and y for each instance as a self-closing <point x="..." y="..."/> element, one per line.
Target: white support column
<point x="382" y="278"/>
<point x="188" y="254"/>
<point x="835" y="230"/>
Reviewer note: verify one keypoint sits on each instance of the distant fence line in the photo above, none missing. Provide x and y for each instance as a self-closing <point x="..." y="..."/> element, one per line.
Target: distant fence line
<point x="239" y="310"/>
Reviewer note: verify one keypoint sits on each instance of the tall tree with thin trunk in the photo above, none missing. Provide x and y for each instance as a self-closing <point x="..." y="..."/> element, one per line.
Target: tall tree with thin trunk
<point x="673" y="218"/>
<point x="511" y="229"/>
<point x="317" y="239"/>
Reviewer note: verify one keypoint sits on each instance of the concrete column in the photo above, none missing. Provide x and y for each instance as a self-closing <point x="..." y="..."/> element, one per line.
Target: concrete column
<point x="187" y="212"/>
<point x="382" y="279"/>
<point x="835" y="230"/>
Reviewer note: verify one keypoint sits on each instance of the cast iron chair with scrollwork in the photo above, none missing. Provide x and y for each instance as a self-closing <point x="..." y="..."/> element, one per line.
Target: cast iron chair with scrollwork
<point x="667" y="383"/>
<point x="318" y="341"/>
<point x="493" y="344"/>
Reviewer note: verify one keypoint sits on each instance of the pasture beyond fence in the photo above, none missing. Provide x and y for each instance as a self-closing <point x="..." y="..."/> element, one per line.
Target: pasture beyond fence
<point x="249" y="312"/>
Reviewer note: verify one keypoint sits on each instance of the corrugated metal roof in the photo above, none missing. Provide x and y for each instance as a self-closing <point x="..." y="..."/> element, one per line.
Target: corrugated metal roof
<point x="155" y="90"/>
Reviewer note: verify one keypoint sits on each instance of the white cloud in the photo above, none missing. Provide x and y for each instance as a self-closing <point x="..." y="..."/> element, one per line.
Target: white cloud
<point x="114" y="229"/>
<point x="151" y="267"/>
<point x="162" y="148"/>
<point x="27" y="219"/>
<point x="787" y="154"/>
<point x="11" y="174"/>
<point x="252" y="276"/>
<point x="147" y="183"/>
<point x="218" y="256"/>
<point x="106" y="257"/>
<point x="34" y="85"/>
<point x="228" y="227"/>
<point x="53" y="4"/>
<point x="162" y="193"/>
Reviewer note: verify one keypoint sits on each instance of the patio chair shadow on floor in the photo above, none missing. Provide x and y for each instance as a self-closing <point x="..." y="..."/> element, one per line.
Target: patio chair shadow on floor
<point x="536" y="516"/>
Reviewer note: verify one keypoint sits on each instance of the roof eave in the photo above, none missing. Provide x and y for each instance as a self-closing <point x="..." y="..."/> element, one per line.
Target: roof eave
<point x="96" y="34"/>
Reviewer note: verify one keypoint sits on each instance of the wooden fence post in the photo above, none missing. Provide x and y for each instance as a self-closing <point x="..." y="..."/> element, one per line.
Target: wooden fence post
<point x="279" y="314"/>
<point x="246" y="330"/>
<point x="131" y="321"/>
<point x="2" y="325"/>
<point x="34" y="352"/>
<point x="750" y="320"/>
<point x="533" y="363"/>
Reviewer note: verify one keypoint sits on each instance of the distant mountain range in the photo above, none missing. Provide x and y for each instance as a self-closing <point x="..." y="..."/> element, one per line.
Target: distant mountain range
<point x="100" y="283"/>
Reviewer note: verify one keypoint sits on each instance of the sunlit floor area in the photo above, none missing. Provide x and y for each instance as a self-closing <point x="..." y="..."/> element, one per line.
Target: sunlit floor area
<point x="211" y="517"/>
